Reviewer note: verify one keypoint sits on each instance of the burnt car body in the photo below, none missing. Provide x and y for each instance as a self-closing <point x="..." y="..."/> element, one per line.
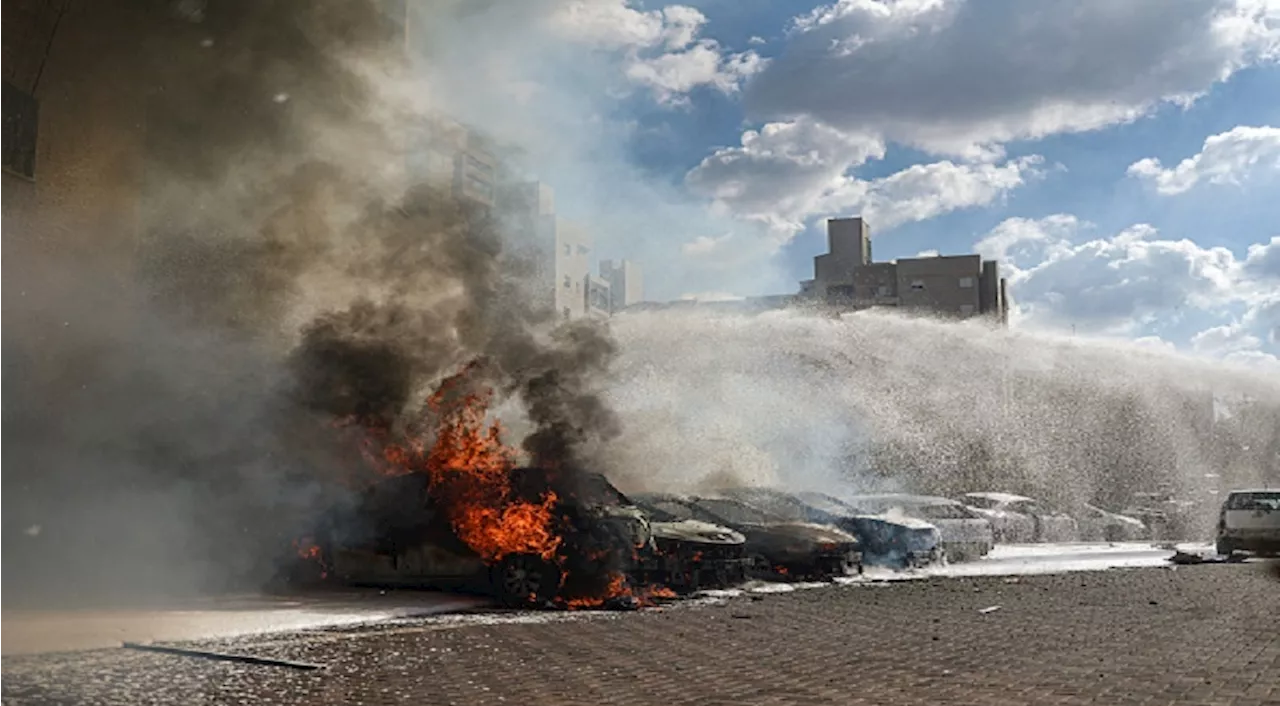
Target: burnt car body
<point x="397" y="535"/>
<point x="691" y="554"/>
<point x="964" y="533"/>
<point x="896" y="542"/>
<point x="775" y="545"/>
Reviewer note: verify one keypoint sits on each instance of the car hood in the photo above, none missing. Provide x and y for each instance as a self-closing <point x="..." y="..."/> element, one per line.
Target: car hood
<point x="695" y="531"/>
<point x="809" y="532"/>
<point x="903" y="521"/>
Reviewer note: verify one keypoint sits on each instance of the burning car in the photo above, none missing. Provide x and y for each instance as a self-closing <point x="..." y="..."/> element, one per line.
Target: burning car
<point x="776" y="545"/>
<point x="965" y="534"/>
<point x="398" y="534"/>
<point x="692" y="554"/>
<point x="1016" y="518"/>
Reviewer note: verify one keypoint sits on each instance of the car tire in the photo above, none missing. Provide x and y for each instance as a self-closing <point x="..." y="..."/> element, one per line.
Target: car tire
<point x="524" y="581"/>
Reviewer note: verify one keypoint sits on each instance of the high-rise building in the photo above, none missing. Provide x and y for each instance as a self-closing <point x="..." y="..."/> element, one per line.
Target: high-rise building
<point x="959" y="286"/>
<point x="560" y="250"/>
<point x="626" y="287"/>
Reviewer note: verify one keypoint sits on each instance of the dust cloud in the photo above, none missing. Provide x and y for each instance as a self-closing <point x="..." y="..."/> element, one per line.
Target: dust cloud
<point x="879" y="402"/>
<point x="169" y="422"/>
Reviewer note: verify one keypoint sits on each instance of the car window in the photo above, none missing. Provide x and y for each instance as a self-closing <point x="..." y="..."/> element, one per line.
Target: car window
<point x="977" y="501"/>
<point x="938" y="512"/>
<point x="1269" y="501"/>
<point x="668" y="511"/>
<point x="736" y="511"/>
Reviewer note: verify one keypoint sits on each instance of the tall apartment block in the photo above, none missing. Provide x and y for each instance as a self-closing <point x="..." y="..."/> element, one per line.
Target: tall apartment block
<point x="960" y="286"/>
<point x="626" y="286"/>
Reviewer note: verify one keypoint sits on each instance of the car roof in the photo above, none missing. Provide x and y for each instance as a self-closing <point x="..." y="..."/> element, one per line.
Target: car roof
<point x="907" y="498"/>
<point x="1246" y="491"/>
<point x="999" y="497"/>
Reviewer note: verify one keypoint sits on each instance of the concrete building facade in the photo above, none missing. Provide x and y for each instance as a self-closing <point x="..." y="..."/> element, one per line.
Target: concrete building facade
<point x="960" y="286"/>
<point x="626" y="284"/>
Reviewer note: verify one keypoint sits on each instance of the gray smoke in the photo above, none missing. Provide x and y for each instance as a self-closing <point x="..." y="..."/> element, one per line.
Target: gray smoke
<point x="168" y="425"/>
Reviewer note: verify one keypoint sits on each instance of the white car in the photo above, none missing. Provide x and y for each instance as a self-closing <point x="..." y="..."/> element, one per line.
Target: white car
<point x="1097" y="524"/>
<point x="1017" y="518"/>
<point x="965" y="533"/>
<point x="1250" y="522"/>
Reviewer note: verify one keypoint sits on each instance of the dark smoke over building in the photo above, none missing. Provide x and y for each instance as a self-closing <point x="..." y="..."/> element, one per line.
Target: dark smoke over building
<point x="229" y="258"/>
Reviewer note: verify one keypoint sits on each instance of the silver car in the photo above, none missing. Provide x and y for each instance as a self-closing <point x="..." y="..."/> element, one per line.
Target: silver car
<point x="965" y="533"/>
<point x="1097" y="524"/>
<point x="1017" y="518"/>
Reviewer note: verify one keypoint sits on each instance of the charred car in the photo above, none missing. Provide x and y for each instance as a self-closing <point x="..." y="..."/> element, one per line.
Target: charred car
<point x="898" y="542"/>
<point x="691" y="554"/>
<point x="775" y="545"/>
<point x="964" y="533"/>
<point x="396" y="534"/>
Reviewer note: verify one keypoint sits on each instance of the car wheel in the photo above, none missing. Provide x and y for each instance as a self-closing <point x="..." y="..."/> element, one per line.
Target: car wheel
<point x="1224" y="548"/>
<point x="524" y="580"/>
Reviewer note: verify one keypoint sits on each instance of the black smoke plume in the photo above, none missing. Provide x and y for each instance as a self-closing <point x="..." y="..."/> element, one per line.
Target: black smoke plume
<point x="168" y="422"/>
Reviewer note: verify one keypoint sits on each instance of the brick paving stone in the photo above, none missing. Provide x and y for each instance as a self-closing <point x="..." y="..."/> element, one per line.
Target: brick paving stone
<point x="1194" y="635"/>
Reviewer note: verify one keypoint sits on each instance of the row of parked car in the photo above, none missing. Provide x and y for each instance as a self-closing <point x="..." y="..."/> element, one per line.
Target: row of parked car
<point x="397" y="535"/>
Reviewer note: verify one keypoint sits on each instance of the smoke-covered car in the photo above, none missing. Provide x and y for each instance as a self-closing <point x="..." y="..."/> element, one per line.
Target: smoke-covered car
<point x="776" y="545"/>
<point x="1166" y="517"/>
<point x="398" y="535"/>
<point x="691" y="554"/>
<point x="1249" y="521"/>
<point x="1017" y="518"/>
<point x="963" y="533"/>
<point x="1097" y="524"/>
<point x="898" y="542"/>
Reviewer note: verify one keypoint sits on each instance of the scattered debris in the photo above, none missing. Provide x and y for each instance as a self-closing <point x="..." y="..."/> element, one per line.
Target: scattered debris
<point x="990" y="609"/>
<point x="222" y="656"/>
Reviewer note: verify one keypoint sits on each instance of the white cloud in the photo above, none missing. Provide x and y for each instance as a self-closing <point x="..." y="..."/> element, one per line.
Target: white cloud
<point x="1220" y="341"/>
<point x="1227" y="158"/>
<point x="957" y="77"/>
<point x="790" y="172"/>
<point x="1263" y="262"/>
<point x="662" y="48"/>
<point x="1114" y="284"/>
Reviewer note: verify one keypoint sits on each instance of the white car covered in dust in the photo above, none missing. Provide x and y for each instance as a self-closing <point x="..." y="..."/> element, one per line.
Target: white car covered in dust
<point x="1017" y="518"/>
<point x="1250" y="522"/>
<point x="965" y="533"/>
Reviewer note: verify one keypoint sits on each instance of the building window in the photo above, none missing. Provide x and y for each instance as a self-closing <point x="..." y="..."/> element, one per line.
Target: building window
<point x="882" y="291"/>
<point x="583" y="250"/>
<point x="568" y="249"/>
<point x="917" y="284"/>
<point x="966" y="282"/>
<point x="21" y="120"/>
<point x="567" y="282"/>
<point x="567" y="313"/>
<point x="966" y="310"/>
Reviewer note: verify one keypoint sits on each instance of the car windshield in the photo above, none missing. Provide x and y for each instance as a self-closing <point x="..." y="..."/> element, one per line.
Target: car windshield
<point x="1267" y="502"/>
<point x="780" y="504"/>
<point x="597" y="490"/>
<point x="664" y="510"/>
<point x="938" y="511"/>
<point x="737" y="511"/>
<point x="828" y="504"/>
<point x="980" y="501"/>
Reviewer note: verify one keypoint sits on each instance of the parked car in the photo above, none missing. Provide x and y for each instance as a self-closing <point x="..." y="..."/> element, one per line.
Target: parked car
<point x="397" y="535"/>
<point x="1250" y="522"/>
<point x="898" y="542"/>
<point x="1016" y="518"/>
<point x="1097" y="524"/>
<point x="1166" y="516"/>
<point x="692" y="554"/>
<point x="965" y="534"/>
<point x="776" y="545"/>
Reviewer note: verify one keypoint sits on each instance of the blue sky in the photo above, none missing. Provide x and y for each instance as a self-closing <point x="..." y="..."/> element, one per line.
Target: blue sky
<point x="1120" y="158"/>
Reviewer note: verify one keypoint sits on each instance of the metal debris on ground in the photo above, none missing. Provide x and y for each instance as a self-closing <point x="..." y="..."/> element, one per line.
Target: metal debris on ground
<point x="990" y="609"/>
<point x="222" y="656"/>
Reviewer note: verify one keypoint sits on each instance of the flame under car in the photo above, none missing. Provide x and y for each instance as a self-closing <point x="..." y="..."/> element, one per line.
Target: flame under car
<point x="398" y="535"/>
<point x="777" y="547"/>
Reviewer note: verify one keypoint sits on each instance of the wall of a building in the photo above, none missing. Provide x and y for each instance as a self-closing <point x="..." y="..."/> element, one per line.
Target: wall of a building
<point x="573" y="265"/>
<point x="626" y="283"/>
<point x="946" y="285"/>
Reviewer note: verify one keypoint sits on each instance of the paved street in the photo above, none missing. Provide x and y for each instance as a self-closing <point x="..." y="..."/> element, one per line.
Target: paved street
<point x="1195" y="634"/>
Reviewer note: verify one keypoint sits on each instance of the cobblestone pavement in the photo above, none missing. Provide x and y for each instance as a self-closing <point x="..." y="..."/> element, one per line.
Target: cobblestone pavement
<point x="1205" y="634"/>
